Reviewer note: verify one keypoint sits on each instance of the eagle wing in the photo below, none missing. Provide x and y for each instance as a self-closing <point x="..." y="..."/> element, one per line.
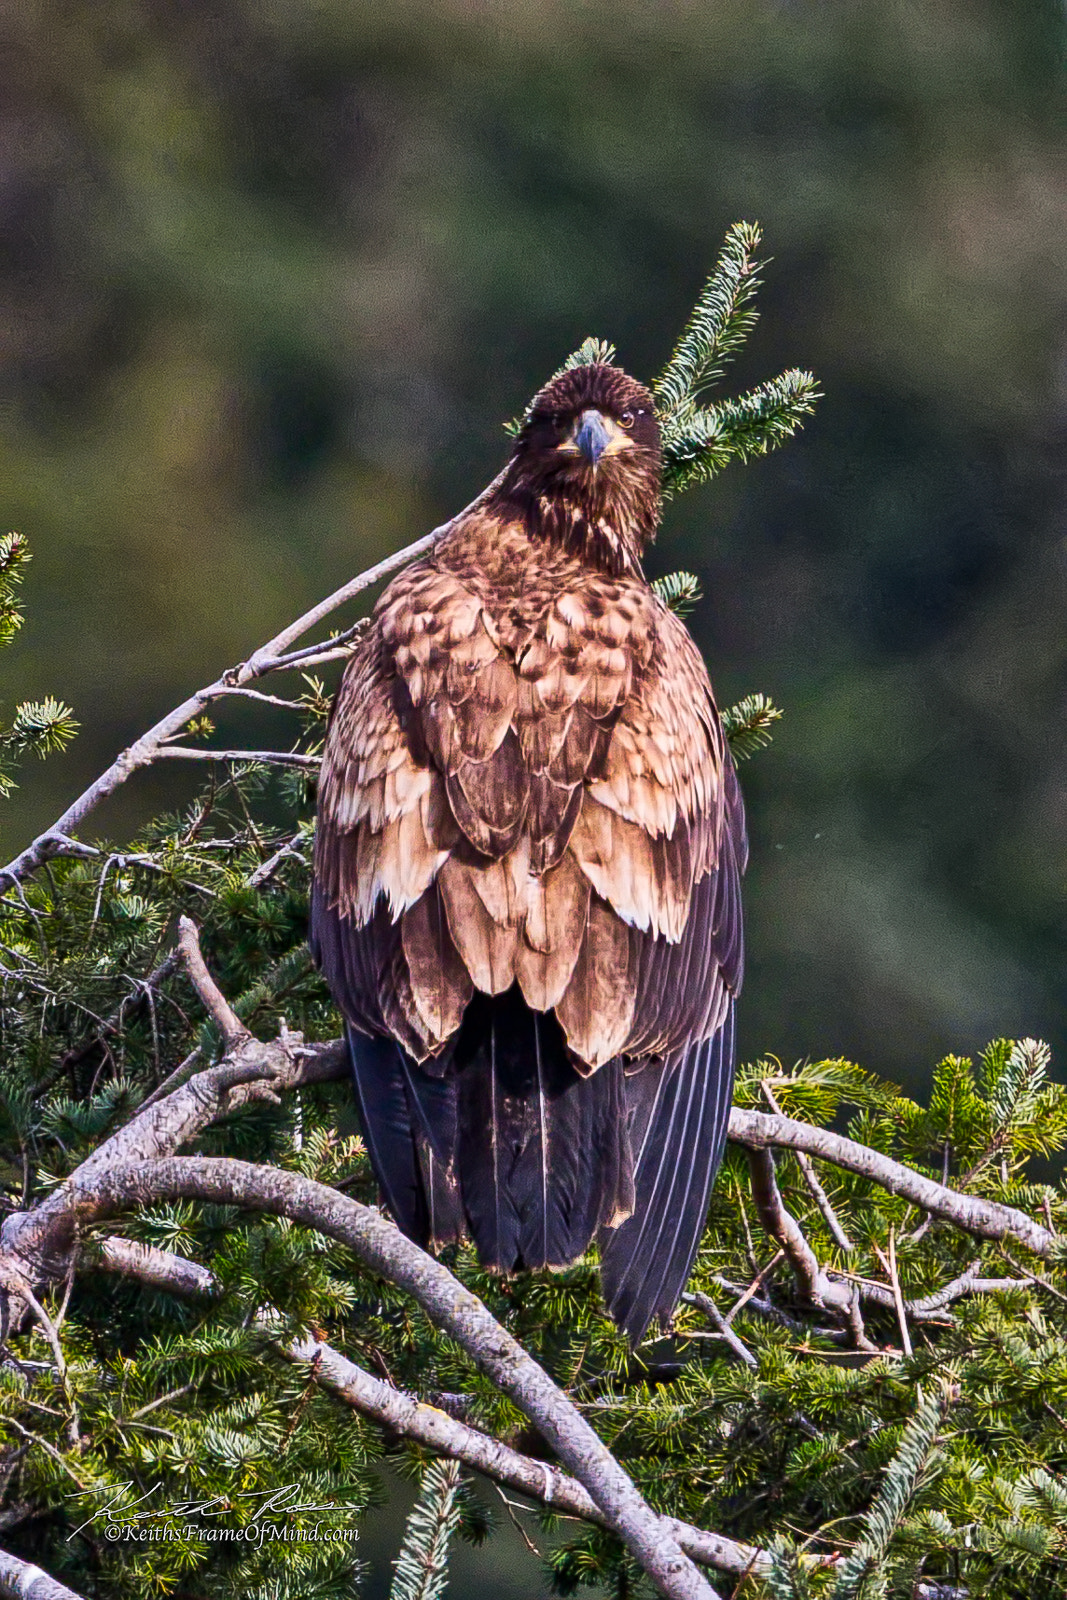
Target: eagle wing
<point x="535" y="791"/>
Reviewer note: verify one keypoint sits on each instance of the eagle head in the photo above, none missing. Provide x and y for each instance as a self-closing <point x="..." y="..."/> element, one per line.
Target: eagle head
<point x="586" y="465"/>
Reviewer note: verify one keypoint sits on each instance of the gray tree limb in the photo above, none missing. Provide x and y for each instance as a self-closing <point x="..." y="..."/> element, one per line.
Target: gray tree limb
<point x="21" y="1580"/>
<point x="269" y="758"/>
<point x="407" y="1415"/>
<point x="987" y="1219"/>
<point x="815" y="1285"/>
<point x="274" y="656"/>
<point x="35" y="1244"/>
<point x="383" y="1248"/>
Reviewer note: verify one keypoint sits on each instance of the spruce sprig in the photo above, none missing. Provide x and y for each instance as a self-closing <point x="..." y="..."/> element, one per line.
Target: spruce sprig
<point x="421" y="1568"/>
<point x="721" y="321"/>
<point x="864" y="1574"/>
<point x="747" y="725"/>
<point x="699" y="440"/>
<point x="679" y="591"/>
<point x="38" y="727"/>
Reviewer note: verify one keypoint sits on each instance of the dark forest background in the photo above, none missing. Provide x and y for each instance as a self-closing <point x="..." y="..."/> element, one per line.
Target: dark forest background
<point x="274" y="274"/>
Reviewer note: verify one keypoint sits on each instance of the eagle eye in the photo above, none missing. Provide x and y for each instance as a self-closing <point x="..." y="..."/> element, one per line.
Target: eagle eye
<point x="627" y="419"/>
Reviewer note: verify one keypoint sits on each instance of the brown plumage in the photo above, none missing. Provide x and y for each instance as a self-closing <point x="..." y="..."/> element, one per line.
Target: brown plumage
<point x="527" y="871"/>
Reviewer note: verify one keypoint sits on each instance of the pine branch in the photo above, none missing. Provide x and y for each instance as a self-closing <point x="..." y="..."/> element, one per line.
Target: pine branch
<point x="862" y="1575"/>
<point x="384" y="1250"/>
<point x="988" y="1219"/>
<point x="699" y="444"/>
<point x="721" y="321"/>
<point x="14" y="555"/>
<point x="747" y="725"/>
<point x="404" y="1414"/>
<point x="421" y="1568"/>
<point x="679" y="591"/>
<point x="41" y="727"/>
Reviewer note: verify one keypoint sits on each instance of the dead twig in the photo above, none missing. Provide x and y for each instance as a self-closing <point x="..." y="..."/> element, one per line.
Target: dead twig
<point x="269" y="758"/>
<point x="811" y="1178"/>
<point x="890" y="1264"/>
<point x="216" y="1004"/>
<point x="706" y="1304"/>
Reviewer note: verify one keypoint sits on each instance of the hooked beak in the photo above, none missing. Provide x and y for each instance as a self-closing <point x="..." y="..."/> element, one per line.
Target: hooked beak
<point x="592" y="435"/>
<point x="595" y="435"/>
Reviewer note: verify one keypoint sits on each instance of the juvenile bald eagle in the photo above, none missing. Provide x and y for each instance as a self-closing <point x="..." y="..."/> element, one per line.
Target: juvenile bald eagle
<point x="527" y="872"/>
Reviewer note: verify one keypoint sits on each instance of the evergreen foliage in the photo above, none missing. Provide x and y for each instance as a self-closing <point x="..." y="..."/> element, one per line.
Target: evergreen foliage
<point x="680" y="591"/>
<point x="38" y="727"/>
<point x="699" y="440"/>
<point x="422" y="1565"/>
<point x="864" y="1466"/>
<point x="748" y="724"/>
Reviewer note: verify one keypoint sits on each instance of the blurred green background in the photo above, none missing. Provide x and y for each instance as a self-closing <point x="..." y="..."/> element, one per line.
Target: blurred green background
<point x="274" y="274"/>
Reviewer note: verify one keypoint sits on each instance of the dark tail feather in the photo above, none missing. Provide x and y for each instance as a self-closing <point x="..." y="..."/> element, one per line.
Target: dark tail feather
<point x="680" y="1115"/>
<point x="409" y="1126"/>
<point x="504" y="1138"/>
<point x="543" y="1153"/>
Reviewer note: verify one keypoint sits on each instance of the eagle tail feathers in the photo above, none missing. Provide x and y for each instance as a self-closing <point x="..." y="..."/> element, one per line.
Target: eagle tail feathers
<point x="679" y="1116"/>
<point x="409" y="1128"/>
<point x="508" y="1143"/>
<point x="513" y="1146"/>
<point x="543" y="1154"/>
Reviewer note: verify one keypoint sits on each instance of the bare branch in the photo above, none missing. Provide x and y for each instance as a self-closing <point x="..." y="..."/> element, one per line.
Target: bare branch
<point x="34" y="1244"/>
<point x="988" y="1219"/>
<point x="860" y="1337"/>
<point x="814" y="1284"/>
<point x="159" y="1269"/>
<point x="111" y="1025"/>
<point x="811" y="1178"/>
<point x="706" y="1304"/>
<point x="21" y="1580"/>
<point x="754" y="1287"/>
<point x="890" y="1265"/>
<point x="335" y="648"/>
<point x="269" y="758"/>
<point x="267" y="869"/>
<point x="405" y="1414"/>
<point x="173" y="1080"/>
<point x="264" y="699"/>
<point x="384" y="1249"/>
<point x="761" y="1305"/>
<point x="216" y="1004"/>
<point x="270" y="657"/>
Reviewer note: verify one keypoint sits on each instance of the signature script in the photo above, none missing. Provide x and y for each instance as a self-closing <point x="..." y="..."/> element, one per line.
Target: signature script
<point x="119" y="1511"/>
